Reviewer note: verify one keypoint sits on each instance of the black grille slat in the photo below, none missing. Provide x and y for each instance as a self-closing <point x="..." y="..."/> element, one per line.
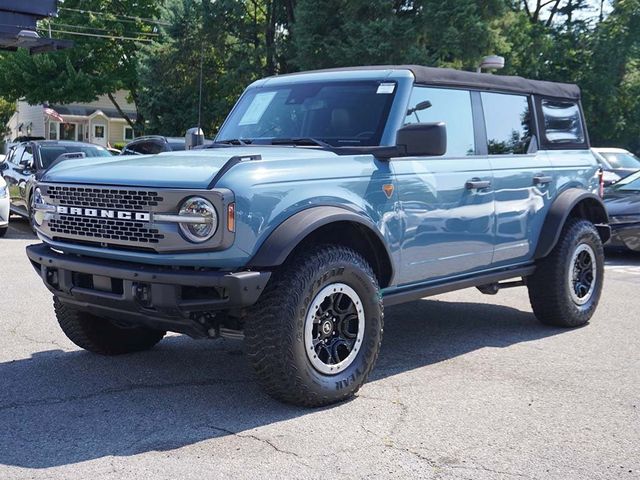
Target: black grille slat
<point x="131" y="200"/>
<point x="104" y="229"/>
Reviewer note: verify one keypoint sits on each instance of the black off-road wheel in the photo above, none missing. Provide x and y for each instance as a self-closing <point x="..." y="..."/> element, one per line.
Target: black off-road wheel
<point x="565" y="289"/>
<point x="315" y="333"/>
<point x="101" y="335"/>
<point x="3" y="231"/>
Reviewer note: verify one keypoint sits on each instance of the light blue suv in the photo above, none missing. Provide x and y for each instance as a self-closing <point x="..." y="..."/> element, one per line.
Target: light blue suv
<point x="326" y="196"/>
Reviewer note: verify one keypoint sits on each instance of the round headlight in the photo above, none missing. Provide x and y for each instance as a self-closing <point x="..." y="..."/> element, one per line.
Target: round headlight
<point x="200" y="219"/>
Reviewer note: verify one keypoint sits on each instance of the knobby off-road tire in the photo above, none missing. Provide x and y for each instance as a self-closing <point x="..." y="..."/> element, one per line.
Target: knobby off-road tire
<point x="565" y="289"/>
<point x="283" y="327"/>
<point x="101" y="335"/>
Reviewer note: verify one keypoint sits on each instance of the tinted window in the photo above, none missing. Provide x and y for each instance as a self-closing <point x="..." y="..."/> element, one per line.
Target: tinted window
<point x="175" y="146"/>
<point x="562" y="122"/>
<point x="338" y="113"/>
<point x="49" y="153"/>
<point x="508" y="122"/>
<point x="149" y="147"/>
<point x="11" y="155"/>
<point x="17" y="155"/>
<point x="453" y="107"/>
<point x="27" y="156"/>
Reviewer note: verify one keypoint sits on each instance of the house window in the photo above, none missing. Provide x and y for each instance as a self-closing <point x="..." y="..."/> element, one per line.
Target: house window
<point x="53" y="131"/>
<point x="80" y="132"/>
<point x="68" y="131"/>
<point x="128" y="133"/>
<point x="98" y="131"/>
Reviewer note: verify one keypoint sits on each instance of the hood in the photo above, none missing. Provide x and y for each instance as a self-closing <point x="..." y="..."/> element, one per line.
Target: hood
<point x="193" y="169"/>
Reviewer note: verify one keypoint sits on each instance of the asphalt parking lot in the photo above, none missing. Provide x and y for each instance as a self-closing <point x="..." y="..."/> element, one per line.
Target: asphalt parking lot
<point x="467" y="386"/>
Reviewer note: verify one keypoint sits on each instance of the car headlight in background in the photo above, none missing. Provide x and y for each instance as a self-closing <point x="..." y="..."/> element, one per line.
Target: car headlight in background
<point x="199" y="219"/>
<point x="38" y="204"/>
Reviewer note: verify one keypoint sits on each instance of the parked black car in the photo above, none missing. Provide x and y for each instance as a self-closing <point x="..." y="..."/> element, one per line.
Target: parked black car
<point x="623" y="205"/>
<point x="26" y="161"/>
<point x="153" y="144"/>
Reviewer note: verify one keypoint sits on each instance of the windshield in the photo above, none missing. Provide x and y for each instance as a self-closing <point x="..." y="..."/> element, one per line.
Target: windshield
<point x="48" y="153"/>
<point x="621" y="160"/>
<point x="630" y="183"/>
<point x="338" y="113"/>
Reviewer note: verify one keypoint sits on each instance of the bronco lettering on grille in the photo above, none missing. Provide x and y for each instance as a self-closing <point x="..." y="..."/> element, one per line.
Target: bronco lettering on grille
<point x="102" y="213"/>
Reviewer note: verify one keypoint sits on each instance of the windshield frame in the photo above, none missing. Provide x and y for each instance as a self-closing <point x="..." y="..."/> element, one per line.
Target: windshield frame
<point x="391" y="120"/>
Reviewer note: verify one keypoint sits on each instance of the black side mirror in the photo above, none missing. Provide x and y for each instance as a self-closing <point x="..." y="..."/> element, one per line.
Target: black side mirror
<point x="422" y="139"/>
<point x="26" y="163"/>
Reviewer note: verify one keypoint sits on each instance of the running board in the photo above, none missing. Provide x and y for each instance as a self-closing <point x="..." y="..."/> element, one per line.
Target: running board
<point x="438" y="288"/>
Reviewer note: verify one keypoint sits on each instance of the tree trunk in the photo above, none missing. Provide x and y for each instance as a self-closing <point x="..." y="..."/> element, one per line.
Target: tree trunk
<point x="122" y="114"/>
<point x="269" y="38"/>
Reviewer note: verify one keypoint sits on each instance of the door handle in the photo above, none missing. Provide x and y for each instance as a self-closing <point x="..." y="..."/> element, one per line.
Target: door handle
<point x="477" y="184"/>
<point x="542" y="179"/>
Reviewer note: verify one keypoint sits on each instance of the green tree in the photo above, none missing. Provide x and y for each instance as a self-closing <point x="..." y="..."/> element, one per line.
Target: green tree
<point x="96" y="65"/>
<point x="333" y="33"/>
<point x="235" y="41"/>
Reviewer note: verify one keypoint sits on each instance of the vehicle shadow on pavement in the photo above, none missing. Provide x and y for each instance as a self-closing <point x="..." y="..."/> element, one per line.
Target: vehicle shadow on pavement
<point x="19" y="229"/>
<point x="64" y="407"/>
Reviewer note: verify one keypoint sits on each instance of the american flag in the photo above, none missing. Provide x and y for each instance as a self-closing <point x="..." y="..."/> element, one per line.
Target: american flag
<point x="53" y="114"/>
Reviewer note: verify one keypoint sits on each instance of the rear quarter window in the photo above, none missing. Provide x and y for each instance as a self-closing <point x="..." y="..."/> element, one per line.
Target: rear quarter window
<point x="562" y="123"/>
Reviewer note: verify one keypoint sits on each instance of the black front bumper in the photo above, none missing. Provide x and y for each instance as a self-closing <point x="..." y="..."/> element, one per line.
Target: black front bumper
<point x="162" y="297"/>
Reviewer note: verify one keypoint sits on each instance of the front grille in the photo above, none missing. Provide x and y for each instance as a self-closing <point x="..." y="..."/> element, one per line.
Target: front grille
<point x="104" y="229"/>
<point x="118" y="199"/>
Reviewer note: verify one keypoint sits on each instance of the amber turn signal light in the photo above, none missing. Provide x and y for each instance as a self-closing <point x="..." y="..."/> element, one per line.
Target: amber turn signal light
<point x="231" y="217"/>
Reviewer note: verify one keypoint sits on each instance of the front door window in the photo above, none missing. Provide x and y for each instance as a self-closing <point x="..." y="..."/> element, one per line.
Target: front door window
<point x="68" y="131"/>
<point x="53" y="131"/>
<point x="100" y="134"/>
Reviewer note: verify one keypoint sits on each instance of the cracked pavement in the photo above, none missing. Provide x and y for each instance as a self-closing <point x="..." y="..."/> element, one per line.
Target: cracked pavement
<point x="467" y="386"/>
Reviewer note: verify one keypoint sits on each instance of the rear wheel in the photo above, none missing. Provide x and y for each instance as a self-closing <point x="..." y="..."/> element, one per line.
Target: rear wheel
<point x="3" y="231"/>
<point x="565" y="289"/>
<point x="314" y="335"/>
<point x="101" y="335"/>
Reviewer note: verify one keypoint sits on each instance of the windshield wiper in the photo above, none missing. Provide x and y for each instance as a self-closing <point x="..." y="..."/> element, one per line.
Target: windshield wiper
<point x="300" y="141"/>
<point x="232" y="141"/>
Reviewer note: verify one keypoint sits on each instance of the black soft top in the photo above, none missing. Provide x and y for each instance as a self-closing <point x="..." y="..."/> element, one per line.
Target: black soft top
<point x="480" y="81"/>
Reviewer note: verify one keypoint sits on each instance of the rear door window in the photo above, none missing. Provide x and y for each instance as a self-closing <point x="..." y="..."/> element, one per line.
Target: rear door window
<point x="562" y="122"/>
<point x="453" y="107"/>
<point x="508" y="121"/>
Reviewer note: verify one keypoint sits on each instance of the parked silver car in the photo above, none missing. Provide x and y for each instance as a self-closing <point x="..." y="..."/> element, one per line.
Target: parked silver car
<point x="4" y="208"/>
<point x="616" y="163"/>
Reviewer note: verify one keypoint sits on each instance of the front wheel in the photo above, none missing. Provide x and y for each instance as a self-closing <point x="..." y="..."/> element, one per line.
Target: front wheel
<point x="314" y="335"/>
<point x="565" y="289"/>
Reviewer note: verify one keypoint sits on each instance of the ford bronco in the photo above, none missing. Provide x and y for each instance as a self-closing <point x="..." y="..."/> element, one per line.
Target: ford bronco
<point x="326" y="196"/>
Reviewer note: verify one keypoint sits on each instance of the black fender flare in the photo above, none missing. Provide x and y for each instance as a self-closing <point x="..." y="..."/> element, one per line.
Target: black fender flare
<point x="287" y="236"/>
<point x="591" y="207"/>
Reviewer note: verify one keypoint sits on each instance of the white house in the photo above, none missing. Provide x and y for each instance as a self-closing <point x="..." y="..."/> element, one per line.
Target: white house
<point x="96" y="122"/>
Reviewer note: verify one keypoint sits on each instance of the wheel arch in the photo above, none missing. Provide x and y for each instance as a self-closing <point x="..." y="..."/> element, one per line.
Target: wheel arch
<point x="327" y="224"/>
<point x="572" y="203"/>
